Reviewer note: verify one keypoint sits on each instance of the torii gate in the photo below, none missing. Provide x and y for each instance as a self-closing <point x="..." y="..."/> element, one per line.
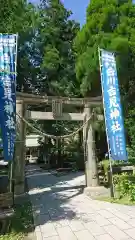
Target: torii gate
<point x="24" y="99"/>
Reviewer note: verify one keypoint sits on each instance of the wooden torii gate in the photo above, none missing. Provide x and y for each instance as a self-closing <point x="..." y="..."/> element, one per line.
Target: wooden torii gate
<point x="24" y="100"/>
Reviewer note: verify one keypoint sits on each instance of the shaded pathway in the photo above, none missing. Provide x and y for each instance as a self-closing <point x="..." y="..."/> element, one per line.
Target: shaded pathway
<point x="62" y="212"/>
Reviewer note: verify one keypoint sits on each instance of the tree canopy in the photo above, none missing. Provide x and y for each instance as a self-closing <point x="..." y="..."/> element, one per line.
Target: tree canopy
<point x="109" y="25"/>
<point x="56" y="57"/>
<point x="21" y="17"/>
<point x="46" y="59"/>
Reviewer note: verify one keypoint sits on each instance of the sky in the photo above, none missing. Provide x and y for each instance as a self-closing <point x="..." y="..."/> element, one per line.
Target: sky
<point x="78" y="7"/>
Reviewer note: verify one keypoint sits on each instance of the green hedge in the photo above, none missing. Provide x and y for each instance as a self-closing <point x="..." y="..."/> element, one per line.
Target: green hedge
<point x="125" y="185"/>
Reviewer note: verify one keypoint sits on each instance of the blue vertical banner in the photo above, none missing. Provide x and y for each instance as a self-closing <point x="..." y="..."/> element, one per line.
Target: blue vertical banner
<point x="8" y="56"/>
<point x="112" y="107"/>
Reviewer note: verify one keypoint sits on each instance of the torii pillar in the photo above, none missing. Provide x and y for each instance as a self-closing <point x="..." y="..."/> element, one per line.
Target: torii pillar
<point x="19" y="164"/>
<point x="89" y="146"/>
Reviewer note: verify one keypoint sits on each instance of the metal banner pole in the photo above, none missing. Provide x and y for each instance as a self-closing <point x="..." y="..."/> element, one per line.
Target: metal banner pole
<point x="111" y="179"/>
<point x="15" y="87"/>
<point x="110" y="161"/>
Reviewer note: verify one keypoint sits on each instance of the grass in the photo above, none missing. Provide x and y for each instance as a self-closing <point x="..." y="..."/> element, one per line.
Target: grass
<point x="123" y="201"/>
<point x="21" y="223"/>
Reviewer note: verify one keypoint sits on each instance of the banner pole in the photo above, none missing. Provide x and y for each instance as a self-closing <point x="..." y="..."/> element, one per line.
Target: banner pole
<point x="111" y="179"/>
<point x="110" y="161"/>
<point x="15" y="90"/>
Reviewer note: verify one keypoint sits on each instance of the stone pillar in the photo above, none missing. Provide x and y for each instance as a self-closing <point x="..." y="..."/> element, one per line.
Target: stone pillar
<point x="90" y="158"/>
<point x="19" y="166"/>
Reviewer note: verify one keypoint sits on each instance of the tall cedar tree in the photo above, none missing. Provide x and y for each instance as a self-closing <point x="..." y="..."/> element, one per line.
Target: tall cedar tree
<point x="56" y="35"/>
<point x="109" y="25"/>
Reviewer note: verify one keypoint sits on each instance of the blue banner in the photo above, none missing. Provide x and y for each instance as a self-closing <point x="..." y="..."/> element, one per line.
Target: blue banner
<point x="112" y="107"/>
<point x="8" y="53"/>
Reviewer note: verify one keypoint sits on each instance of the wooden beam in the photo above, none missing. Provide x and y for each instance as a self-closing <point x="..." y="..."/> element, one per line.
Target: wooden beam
<point x="35" y="115"/>
<point x="49" y="116"/>
<point x="36" y="99"/>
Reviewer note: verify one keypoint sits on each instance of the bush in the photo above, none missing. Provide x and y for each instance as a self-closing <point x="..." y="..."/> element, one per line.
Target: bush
<point x="105" y="164"/>
<point x="125" y="185"/>
<point x="131" y="155"/>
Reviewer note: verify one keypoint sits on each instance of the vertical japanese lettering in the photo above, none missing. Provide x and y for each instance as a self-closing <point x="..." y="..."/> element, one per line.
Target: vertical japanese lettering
<point x="7" y="95"/>
<point x="112" y="106"/>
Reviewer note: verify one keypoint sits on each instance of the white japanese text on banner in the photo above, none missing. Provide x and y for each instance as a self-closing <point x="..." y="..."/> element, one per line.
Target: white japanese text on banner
<point x="8" y="52"/>
<point x="112" y="107"/>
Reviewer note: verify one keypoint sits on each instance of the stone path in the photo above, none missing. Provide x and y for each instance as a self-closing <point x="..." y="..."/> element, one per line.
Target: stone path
<point x="62" y="212"/>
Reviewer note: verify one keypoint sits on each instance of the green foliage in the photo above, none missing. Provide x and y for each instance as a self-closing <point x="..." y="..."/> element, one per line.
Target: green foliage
<point x="125" y="185"/>
<point x="109" y="25"/>
<point x="21" y="17"/>
<point x="57" y="57"/>
<point x="46" y="59"/>
<point x="16" y="16"/>
<point x="21" y="223"/>
<point x="51" y="62"/>
<point x="105" y="164"/>
<point x="131" y="155"/>
<point x="130" y="125"/>
<point x="52" y="59"/>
